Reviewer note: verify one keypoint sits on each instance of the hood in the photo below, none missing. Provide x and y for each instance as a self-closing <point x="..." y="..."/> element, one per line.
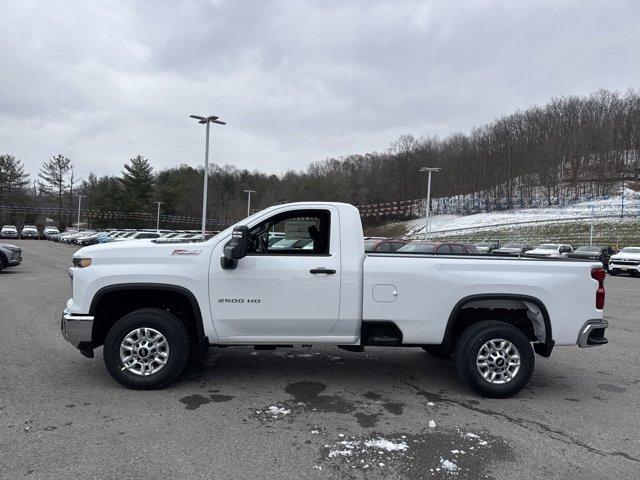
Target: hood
<point x="539" y="251"/>
<point x="584" y="254"/>
<point x="505" y="249"/>
<point x="625" y="256"/>
<point x="113" y="252"/>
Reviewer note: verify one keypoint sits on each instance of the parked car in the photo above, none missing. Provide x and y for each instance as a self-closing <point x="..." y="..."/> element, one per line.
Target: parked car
<point x="383" y="244"/>
<point x="91" y="239"/>
<point x="49" y="231"/>
<point x="593" y="252"/>
<point x="72" y="237"/>
<point x="438" y="248"/>
<point x="512" y="249"/>
<point x="9" y="231"/>
<point x="30" y="231"/>
<point x="487" y="247"/>
<point x="10" y="255"/>
<point x="626" y="260"/>
<point x="140" y="235"/>
<point x="150" y="308"/>
<point x="552" y="250"/>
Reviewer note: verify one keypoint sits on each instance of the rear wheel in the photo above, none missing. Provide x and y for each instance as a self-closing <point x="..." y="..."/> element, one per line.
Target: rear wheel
<point x="494" y="358"/>
<point x="146" y="349"/>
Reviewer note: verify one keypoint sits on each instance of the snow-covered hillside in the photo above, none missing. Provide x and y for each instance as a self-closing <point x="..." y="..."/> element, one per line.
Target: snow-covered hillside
<point x="603" y="208"/>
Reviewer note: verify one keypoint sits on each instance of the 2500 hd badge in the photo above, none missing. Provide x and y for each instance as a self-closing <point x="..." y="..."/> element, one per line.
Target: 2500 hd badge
<point x="238" y="300"/>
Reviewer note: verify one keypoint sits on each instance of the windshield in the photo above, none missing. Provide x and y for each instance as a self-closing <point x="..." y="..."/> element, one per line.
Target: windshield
<point x="588" y="248"/>
<point x="483" y="244"/>
<point x="547" y="246"/>
<point x="418" y="247"/>
<point x="630" y="250"/>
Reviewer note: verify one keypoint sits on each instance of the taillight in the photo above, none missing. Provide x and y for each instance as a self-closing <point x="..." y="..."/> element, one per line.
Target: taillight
<point x="599" y="274"/>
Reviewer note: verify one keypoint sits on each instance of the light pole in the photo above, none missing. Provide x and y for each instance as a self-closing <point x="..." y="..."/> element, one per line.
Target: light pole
<point x="80" y="197"/>
<point x="429" y="169"/>
<point x="158" y="218"/>
<point x="591" y="236"/>
<point x="206" y="121"/>
<point x="249" y="200"/>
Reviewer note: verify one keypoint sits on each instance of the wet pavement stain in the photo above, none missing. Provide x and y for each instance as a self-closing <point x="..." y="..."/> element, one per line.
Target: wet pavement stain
<point x="193" y="402"/>
<point x="393" y="407"/>
<point x="367" y="420"/>
<point x="309" y="394"/>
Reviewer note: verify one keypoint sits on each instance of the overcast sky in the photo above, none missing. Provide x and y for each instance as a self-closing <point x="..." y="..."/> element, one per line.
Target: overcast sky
<point x="296" y="81"/>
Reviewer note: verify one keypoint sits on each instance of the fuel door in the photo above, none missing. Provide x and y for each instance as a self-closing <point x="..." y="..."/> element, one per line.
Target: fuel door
<point x="385" y="292"/>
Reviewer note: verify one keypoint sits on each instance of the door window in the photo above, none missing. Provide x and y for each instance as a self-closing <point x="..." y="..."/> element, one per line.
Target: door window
<point x="443" y="250"/>
<point x="457" y="249"/>
<point x="299" y="232"/>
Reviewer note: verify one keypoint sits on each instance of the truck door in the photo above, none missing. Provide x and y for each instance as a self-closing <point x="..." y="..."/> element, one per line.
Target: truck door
<point x="287" y="286"/>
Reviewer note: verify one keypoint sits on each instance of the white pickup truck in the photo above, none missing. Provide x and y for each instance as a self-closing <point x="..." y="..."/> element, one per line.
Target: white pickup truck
<point x="152" y="303"/>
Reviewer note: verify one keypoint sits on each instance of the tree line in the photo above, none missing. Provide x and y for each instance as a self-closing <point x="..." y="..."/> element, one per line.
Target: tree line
<point x="572" y="146"/>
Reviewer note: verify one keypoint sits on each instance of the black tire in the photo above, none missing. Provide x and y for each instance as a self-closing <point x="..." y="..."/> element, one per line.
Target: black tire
<point x="2" y="262"/>
<point x="167" y="324"/>
<point x="437" y="351"/>
<point x="468" y="348"/>
<point x="613" y="272"/>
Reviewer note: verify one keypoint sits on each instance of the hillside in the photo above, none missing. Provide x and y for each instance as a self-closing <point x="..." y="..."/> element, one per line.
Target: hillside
<point x="570" y="223"/>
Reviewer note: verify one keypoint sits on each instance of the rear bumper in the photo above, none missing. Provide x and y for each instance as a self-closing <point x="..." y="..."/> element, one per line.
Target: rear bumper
<point x="77" y="329"/>
<point x="592" y="333"/>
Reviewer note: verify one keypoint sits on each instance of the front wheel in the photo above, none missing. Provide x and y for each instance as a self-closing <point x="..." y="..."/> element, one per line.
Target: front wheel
<point x="146" y="349"/>
<point x="494" y="358"/>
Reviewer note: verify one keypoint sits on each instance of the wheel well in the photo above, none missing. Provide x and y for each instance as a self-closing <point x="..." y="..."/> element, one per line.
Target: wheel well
<point x="525" y="313"/>
<point x="111" y="304"/>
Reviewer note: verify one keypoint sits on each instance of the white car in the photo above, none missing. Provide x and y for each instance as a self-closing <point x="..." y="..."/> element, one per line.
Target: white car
<point x="552" y="250"/>
<point x="9" y="231"/>
<point x="626" y="260"/>
<point x="48" y="231"/>
<point x="29" y="231"/>
<point x="150" y="303"/>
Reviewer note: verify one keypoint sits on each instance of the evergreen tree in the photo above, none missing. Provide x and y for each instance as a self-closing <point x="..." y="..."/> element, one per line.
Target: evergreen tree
<point x="13" y="178"/>
<point x="137" y="180"/>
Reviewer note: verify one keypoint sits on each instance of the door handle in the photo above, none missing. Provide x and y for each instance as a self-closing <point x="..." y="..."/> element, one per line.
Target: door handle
<point x="328" y="271"/>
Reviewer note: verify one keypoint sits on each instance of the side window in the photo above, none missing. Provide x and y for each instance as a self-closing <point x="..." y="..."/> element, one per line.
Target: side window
<point x="458" y="249"/>
<point x="384" y="247"/>
<point x="443" y="250"/>
<point x="299" y="232"/>
<point x="395" y="246"/>
<point x="148" y="235"/>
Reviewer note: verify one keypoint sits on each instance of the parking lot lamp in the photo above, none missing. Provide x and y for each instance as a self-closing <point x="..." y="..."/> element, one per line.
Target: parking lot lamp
<point x="428" y="219"/>
<point x="591" y="236"/>
<point x="80" y="197"/>
<point x="249" y="200"/>
<point x="158" y="218"/>
<point x="206" y="121"/>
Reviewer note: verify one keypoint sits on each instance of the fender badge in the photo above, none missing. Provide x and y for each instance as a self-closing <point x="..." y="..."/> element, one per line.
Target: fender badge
<point x="184" y="251"/>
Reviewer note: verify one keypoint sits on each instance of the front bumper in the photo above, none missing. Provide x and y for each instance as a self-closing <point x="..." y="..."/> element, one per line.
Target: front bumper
<point x="623" y="267"/>
<point x="77" y="329"/>
<point x="592" y="333"/>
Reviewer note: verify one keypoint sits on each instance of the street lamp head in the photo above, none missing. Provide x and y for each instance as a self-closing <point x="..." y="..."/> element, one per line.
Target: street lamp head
<point x="249" y="191"/>
<point x="430" y="169"/>
<point x="209" y="119"/>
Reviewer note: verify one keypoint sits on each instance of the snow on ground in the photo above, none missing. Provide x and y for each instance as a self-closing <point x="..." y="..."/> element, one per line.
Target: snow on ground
<point x="609" y="207"/>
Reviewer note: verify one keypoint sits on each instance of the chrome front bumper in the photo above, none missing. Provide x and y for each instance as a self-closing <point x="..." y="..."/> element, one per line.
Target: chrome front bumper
<point x="76" y="329"/>
<point x="592" y="333"/>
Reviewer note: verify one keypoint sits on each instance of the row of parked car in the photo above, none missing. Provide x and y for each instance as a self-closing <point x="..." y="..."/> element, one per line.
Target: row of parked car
<point x="28" y="231"/>
<point x="93" y="237"/>
<point x="627" y="260"/>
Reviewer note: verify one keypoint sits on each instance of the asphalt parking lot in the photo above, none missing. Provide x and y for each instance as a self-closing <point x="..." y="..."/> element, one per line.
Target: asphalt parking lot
<point x="305" y="413"/>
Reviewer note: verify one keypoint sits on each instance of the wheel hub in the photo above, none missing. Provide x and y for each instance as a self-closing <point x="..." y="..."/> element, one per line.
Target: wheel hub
<point x="144" y="351"/>
<point x="498" y="361"/>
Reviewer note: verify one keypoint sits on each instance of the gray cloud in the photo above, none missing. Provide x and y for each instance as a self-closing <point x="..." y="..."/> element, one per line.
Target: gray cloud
<point x="297" y="81"/>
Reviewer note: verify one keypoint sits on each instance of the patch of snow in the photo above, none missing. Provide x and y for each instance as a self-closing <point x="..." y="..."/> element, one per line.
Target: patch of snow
<point x="431" y="404"/>
<point x="448" y="465"/>
<point x="432" y="424"/>
<point x="340" y="453"/>
<point x="276" y="412"/>
<point x="471" y="435"/>
<point x="387" y="445"/>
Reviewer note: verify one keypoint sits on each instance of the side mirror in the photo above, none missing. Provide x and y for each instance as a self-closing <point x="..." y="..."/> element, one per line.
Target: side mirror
<point x="236" y="248"/>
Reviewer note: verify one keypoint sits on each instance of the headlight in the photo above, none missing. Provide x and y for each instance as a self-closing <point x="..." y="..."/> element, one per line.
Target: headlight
<point x="81" y="262"/>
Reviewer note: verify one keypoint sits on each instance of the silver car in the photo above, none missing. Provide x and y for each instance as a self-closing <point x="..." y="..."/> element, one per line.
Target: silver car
<point x="10" y="255"/>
